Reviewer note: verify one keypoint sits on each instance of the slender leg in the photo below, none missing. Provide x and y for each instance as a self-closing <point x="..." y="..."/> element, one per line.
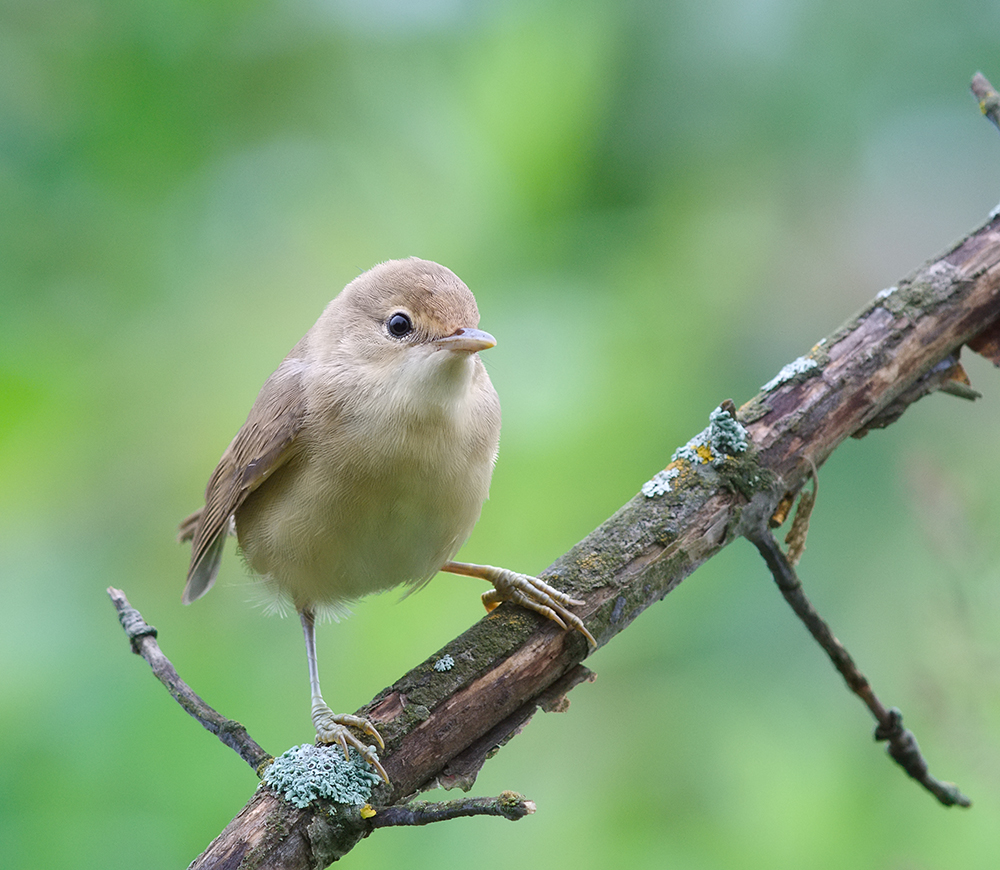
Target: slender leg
<point x="335" y="727"/>
<point x="525" y="590"/>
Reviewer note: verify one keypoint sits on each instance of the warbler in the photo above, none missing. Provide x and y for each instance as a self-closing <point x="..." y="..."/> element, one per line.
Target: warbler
<point x="364" y="464"/>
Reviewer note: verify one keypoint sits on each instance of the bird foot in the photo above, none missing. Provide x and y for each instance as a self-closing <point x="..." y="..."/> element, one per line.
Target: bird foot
<point x="535" y="594"/>
<point x="336" y="728"/>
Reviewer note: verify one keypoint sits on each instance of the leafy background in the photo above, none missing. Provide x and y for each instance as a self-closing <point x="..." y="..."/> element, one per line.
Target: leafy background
<point x="657" y="205"/>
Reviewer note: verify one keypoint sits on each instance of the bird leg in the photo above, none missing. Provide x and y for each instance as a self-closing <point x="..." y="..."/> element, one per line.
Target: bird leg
<point x="526" y="591"/>
<point x="335" y="727"/>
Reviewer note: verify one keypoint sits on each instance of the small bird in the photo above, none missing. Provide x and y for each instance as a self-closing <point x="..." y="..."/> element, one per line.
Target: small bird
<point x="364" y="464"/>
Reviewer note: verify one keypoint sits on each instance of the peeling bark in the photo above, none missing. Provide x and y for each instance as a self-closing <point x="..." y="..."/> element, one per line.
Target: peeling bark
<point x="440" y="726"/>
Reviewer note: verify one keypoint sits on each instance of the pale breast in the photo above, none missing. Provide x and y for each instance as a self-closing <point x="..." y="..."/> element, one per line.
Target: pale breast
<point x="362" y="509"/>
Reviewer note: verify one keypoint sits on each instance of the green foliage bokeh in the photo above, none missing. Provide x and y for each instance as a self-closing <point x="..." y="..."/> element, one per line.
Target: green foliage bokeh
<point x="657" y="205"/>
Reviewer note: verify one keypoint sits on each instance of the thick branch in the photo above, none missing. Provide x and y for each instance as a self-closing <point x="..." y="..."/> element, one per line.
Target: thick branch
<point x="440" y="723"/>
<point x="870" y="365"/>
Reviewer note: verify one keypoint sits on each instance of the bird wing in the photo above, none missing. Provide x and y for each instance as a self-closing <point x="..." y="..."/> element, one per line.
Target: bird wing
<point x="260" y="447"/>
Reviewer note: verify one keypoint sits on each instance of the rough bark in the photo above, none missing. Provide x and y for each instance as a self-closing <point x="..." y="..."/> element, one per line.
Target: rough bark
<point x="440" y="725"/>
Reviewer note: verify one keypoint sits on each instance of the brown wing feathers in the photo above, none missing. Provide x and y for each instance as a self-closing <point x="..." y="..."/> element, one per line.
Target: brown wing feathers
<point x="260" y="447"/>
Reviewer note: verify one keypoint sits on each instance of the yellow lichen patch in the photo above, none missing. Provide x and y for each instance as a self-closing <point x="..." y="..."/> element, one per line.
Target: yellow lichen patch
<point x="687" y="475"/>
<point x="591" y="563"/>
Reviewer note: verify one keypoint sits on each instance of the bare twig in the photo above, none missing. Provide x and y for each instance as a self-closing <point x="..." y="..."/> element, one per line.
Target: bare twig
<point x="270" y="832"/>
<point x="902" y="744"/>
<point x="989" y="100"/>
<point x="508" y="804"/>
<point x="142" y="636"/>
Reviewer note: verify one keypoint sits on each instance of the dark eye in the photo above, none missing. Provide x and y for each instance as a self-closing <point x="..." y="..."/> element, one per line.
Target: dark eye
<point x="399" y="325"/>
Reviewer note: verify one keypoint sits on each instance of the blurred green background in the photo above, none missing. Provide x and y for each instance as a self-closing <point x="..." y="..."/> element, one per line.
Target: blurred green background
<point x="657" y="205"/>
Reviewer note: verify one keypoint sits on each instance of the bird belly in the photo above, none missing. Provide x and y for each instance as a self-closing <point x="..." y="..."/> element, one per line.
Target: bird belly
<point x="324" y="531"/>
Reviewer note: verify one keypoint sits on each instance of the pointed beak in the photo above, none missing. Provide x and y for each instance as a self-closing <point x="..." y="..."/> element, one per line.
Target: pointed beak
<point x="466" y="341"/>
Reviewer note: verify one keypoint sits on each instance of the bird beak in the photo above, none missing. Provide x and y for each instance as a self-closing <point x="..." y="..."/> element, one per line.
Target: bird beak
<point x="466" y="341"/>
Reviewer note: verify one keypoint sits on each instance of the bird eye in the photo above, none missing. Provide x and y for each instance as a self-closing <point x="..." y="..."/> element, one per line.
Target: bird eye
<point x="399" y="325"/>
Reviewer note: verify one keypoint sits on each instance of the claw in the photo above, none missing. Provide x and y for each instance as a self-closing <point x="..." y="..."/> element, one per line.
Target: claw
<point x="526" y="591"/>
<point x="491" y="600"/>
<point x="539" y="596"/>
<point x="335" y="728"/>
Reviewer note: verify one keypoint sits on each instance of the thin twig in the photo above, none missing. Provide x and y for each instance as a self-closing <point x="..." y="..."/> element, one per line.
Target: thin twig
<point x="142" y="636"/>
<point x="508" y="804"/>
<point x="989" y="99"/>
<point x="902" y="744"/>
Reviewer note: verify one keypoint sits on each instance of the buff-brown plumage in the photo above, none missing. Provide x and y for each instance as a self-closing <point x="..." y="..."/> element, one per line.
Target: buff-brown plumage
<point x="364" y="463"/>
<point x="366" y="458"/>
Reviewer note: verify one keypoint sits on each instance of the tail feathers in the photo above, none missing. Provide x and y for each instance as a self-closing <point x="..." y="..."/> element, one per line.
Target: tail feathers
<point x="185" y="531"/>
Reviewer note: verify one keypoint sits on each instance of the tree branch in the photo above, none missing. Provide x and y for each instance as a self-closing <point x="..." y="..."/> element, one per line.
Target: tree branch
<point x="142" y="636"/>
<point x="989" y="100"/>
<point x="903" y="746"/>
<point x="509" y="804"/>
<point x="440" y="724"/>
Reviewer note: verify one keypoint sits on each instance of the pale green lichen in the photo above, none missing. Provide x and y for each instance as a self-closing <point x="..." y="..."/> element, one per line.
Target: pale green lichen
<point x="723" y="437"/>
<point x="725" y="434"/>
<point x="306" y="773"/>
<point x="690" y="451"/>
<point x="934" y="285"/>
<point x="659" y="484"/>
<point x="445" y="663"/>
<point x="796" y="368"/>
